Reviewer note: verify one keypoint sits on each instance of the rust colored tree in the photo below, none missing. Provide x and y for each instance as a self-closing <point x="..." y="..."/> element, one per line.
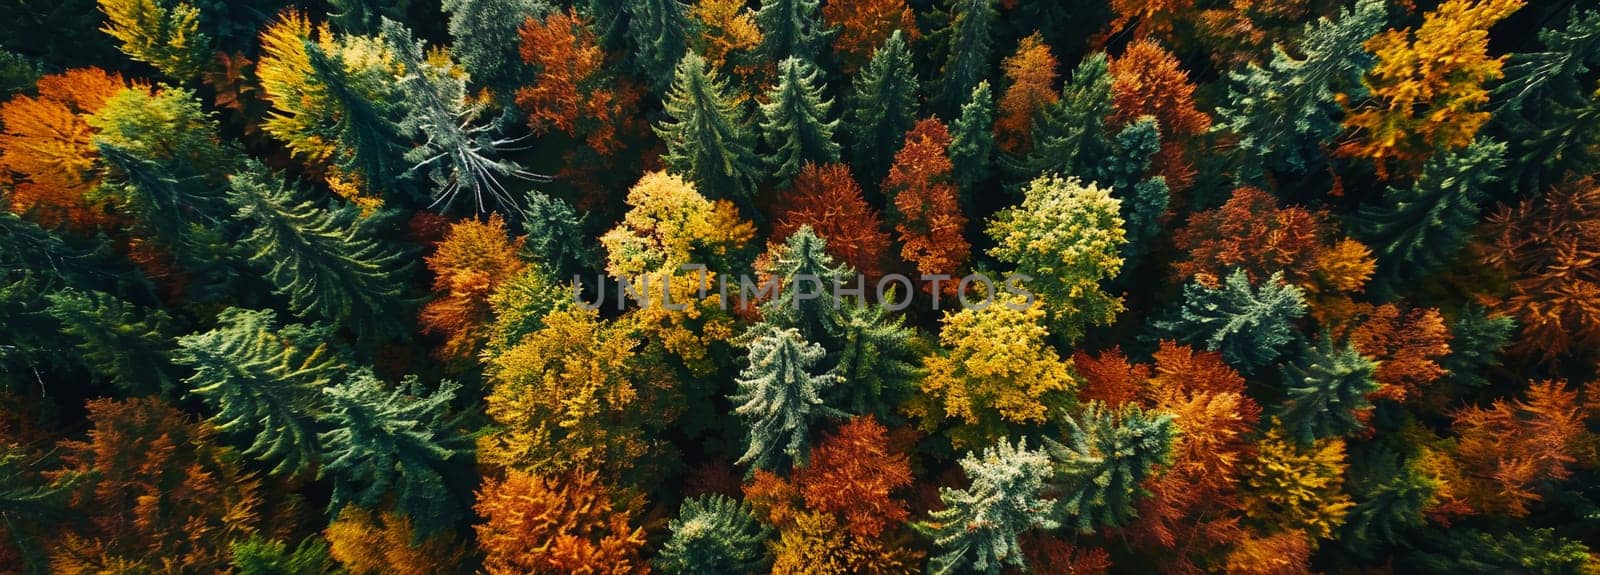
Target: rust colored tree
<point x="927" y="211"/>
<point x="536" y="525"/>
<point x="1250" y="232"/>
<point x="1146" y="80"/>
<point x="474" y="258"/>
<point x="573" y="94"/>
<point x="1548" y="247"/>
<point x="827" y="198"/>
<point x="1031" y="77"/>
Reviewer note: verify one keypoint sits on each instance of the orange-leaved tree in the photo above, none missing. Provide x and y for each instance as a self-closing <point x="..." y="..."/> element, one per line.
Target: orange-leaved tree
<point x="535" y="525"/>
<point x="1250" y="232"/>
<point x="473" y="259"/>
<point x="1508" y="449"/>
<point x="827" y="198"/>
<point x="1147" y="80"/>
<point x="47" y="147"/>
<point x="368" y="542"/>
<point x="853" y="474"/>
<point x="1031" y="76"/>
<point x="864" y="25"/>
<point x="1548" y="247"/>
<point x="573" y="93"/>
<point x="927" y="211"/>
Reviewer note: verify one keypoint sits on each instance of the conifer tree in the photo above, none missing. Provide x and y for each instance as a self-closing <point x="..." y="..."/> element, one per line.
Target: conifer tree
<point x="1548" y="114"/>
<point x="978" y="528"/>
<point x="1030" y="86"/>
<point x="1068" y="237"/>
<point x="363" y="17"/>
<point x="972" y="142"/>
<point x="1418" y="230"/>
<point x="1143" y="199"/>
<point x="163" y="33"/>
<point x="325" y="264"/>
<point x="779" y="398"/>
<point x="1327" y="392"/>
<point x="365" y="127"/>
<point x="32" y="507"/>
<point x="1109" y="453"/>
<point x="1463" y="550"/>
<point x="713" y="534"/>
<point x="1391" y="493"/>
<point x="792" y="29"/>
<point x="263" y="379"/>
<point x="1249" y="326"/>
<point x="659" y="31"/>
<point x="401" y="440"/>
<point x="795" y="124"/>
<point x="806" y="299"/>
<point x="118" y="341"/>
<point x="484" y="38"/>
<point x="1069" y="136"/>
<point x="970" y="46"/>
<point x="555" y="236"/>
<point x="260" y="556"/>
<point x="1476" y="338"/>
<point x="927" y="206"/>
<point x="1286" y="113"/>
<point x="707" y="140"/>
<point x="882" y="108"/>
<point x="876" y="361"/>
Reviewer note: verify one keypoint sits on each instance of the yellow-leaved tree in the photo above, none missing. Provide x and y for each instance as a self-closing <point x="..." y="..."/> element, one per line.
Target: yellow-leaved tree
<point x="1297" y="487"/>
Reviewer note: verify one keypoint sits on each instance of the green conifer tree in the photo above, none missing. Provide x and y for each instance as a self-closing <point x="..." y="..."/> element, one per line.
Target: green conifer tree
<point x="713" y="534"/>
<point x="1144" y="197"/>
<point x="484" y="38"/>
<point x="1547" y="108"/>
<point x="1327" y="389"/>
<point x="806" y="300"/>
<point x="1108" y="454"/>
<point x="260" y="556"/>
<point x="1466" y="550"/>
<point x="324" y="263"/>
<point x="1249" y="326"/>
<point x="882" y="108"/>
<point x="367" y="127"/>
<point x="791" y="29"/>
<point x="554" y="237"/>
<point x="978" y="528"/>
<point x="1287" y="112"/>
<point x="1069" y="137"/>
<point x="1418" y="230"/>
<point x="659" y="31"/>
<point x="1476" y="339"/>
<point x="707" y="140"/>
<point x="1391" y="494"/>
<point x="876" y="362"/>
<point x="795" y="124"/>
<point x="262" y="379"/>
<point x="970" y="46"/>
<point x="118" y="341"/>
<point x="400" y="440"/>
<point x="778" y="397"/>
<point x="32" y="507"/>
<point x="972" y="140"/>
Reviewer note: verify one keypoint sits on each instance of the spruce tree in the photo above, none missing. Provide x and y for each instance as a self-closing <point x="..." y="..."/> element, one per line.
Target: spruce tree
<point x="261" y="556"/>
<point x="707" y="141"/>
<point x="324" y="263"/>
<point x="360" y="17"/>
<point x="791" y="29"/>
<point x="1391" y="494"/>
<point x="1476" y="339"/>
<point x="970" y="39"/>
<point x="1465" y="550"/>
<point x="118" y="341"/>
<point x="366" y="129"/>
<point x="1069" y="137"/>
<point x="876" y="361"/>
<point x="882" y="108"/>
<point x="1249" y="326"/>
<point x="1288" y="112"/>
<point x="1144" y="199"/>
<point x="972" y="140"/>
<point x="779" y="398"/>
<point x="262" y="378"/>
<point x="806" y="299"/>
<point x="713" y="534"/>
<point x="1546" y="109"/>
<point x="1108" y="454"/>
<point x="484" y="38"/>
<point x="795" y="124"/>
<point x="32" y="506"/>
<point x="401" y="440"/>
<point x="659" y="31"/>
<point x="978" y="528"/>
<point x="554" y="237"/>
<point x="1327" y="389"/>
<point x="1419" y="230"/>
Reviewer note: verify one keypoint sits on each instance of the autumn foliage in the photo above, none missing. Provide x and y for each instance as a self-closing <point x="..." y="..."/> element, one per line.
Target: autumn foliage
<point x="865" y="25"/>
<point x="467" y="265"/>
<point x="1032" y="75"/>
<point x="47" y="148"/>
<point x="1146" y="80"/>
<point x="566" y="525"/>
<point x="927" y="214"/>
<point x="827" y="198"/>
<point x="574" y="94"/>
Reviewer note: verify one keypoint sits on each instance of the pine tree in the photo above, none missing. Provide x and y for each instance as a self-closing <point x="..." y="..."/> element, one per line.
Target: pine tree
<point x="325" y="264"/>
<point x="163" y="33"/>
<point x="1548" y="115"/>
<point x="970" y="39"/>
<point x="978" y="528"/>
<point x="972" y="140"/>
<point x="713" y="534"/>
<point x="484" y="38"/>
<point x="1327" y="392"/>
<point x="263" y="379"/>
<point x="32" y="507"/>
<point x="401" y="440"/>
<point x="1067" y="237"/>
<point x="260" y="556"/>
<point x="1285" y="114"/>
<point x="1249" y="326"/>
<point x="1100" y="471"/>
<point x="707" y="140"/>
<point x="778" y="397"/>
<point x="1418" y="230"/>
<point x="1069" y="137"/>
<point x="1391" y="491"/>
<point x="1144" y="199"/>
<point x="806" y="299"/>
<point x="458" y="150"/>
<point x="119" y="341"/>
<point x="791" y="29"/>
<point x="876" y="361"/>
<point x="366" y="128"/>
<point x="659" y="31"/>
<point x="1476" y="338"/>
<point x="882" y="108"/>
<point x="1465" y="550"/>
<point x="555" y="236"/>
<point x="795" y="124"/>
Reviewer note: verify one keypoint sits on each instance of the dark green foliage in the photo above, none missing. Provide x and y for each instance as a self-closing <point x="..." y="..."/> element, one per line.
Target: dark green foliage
<point x="882" y="108"/>
<point x="326" y="264"/>
<point x="484" y="39"/>
<point x="778" y="397"/>
<point x="31" y="506"/>
<point x="1546" y="107"/>
<point x="972" y="140"/>
<point x="555" y="237"/>
<point x="806" y="299"/>
<point x="363" y="16"/>
<point x="1069" y="137"/>
<point x="970" y="41"/>
<point x="17" y="72"/>
<point x="1476" y="339"/>
<point x="659" y="31"/>
<point x="400" y="440"/>
<point x="1390" y="495"/>
<point x="1419" y="230"/>
<point x="1144" y="197"/>
<point x="118" y="341"/>
<point x="1251" y="327"/>
<point x="260" y="556"/>
<point x="1471" y="551"/>
<point x="1327" y="388"/>
<point x="876" y="361"/>
<point x="235" y="23"/>
<point x="795" y="124"/>
<point x="791" y="29"/>
<point x="713" y="534"/>
<point x="1286" y="113"/>
<point x="366" y="129"/>
<point x="1108" y="454"/>
<point x="978" y="528"/>
<point x="707" y="140"/>
<point x="262" y="378"/>
<point x="177" y="213"/>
